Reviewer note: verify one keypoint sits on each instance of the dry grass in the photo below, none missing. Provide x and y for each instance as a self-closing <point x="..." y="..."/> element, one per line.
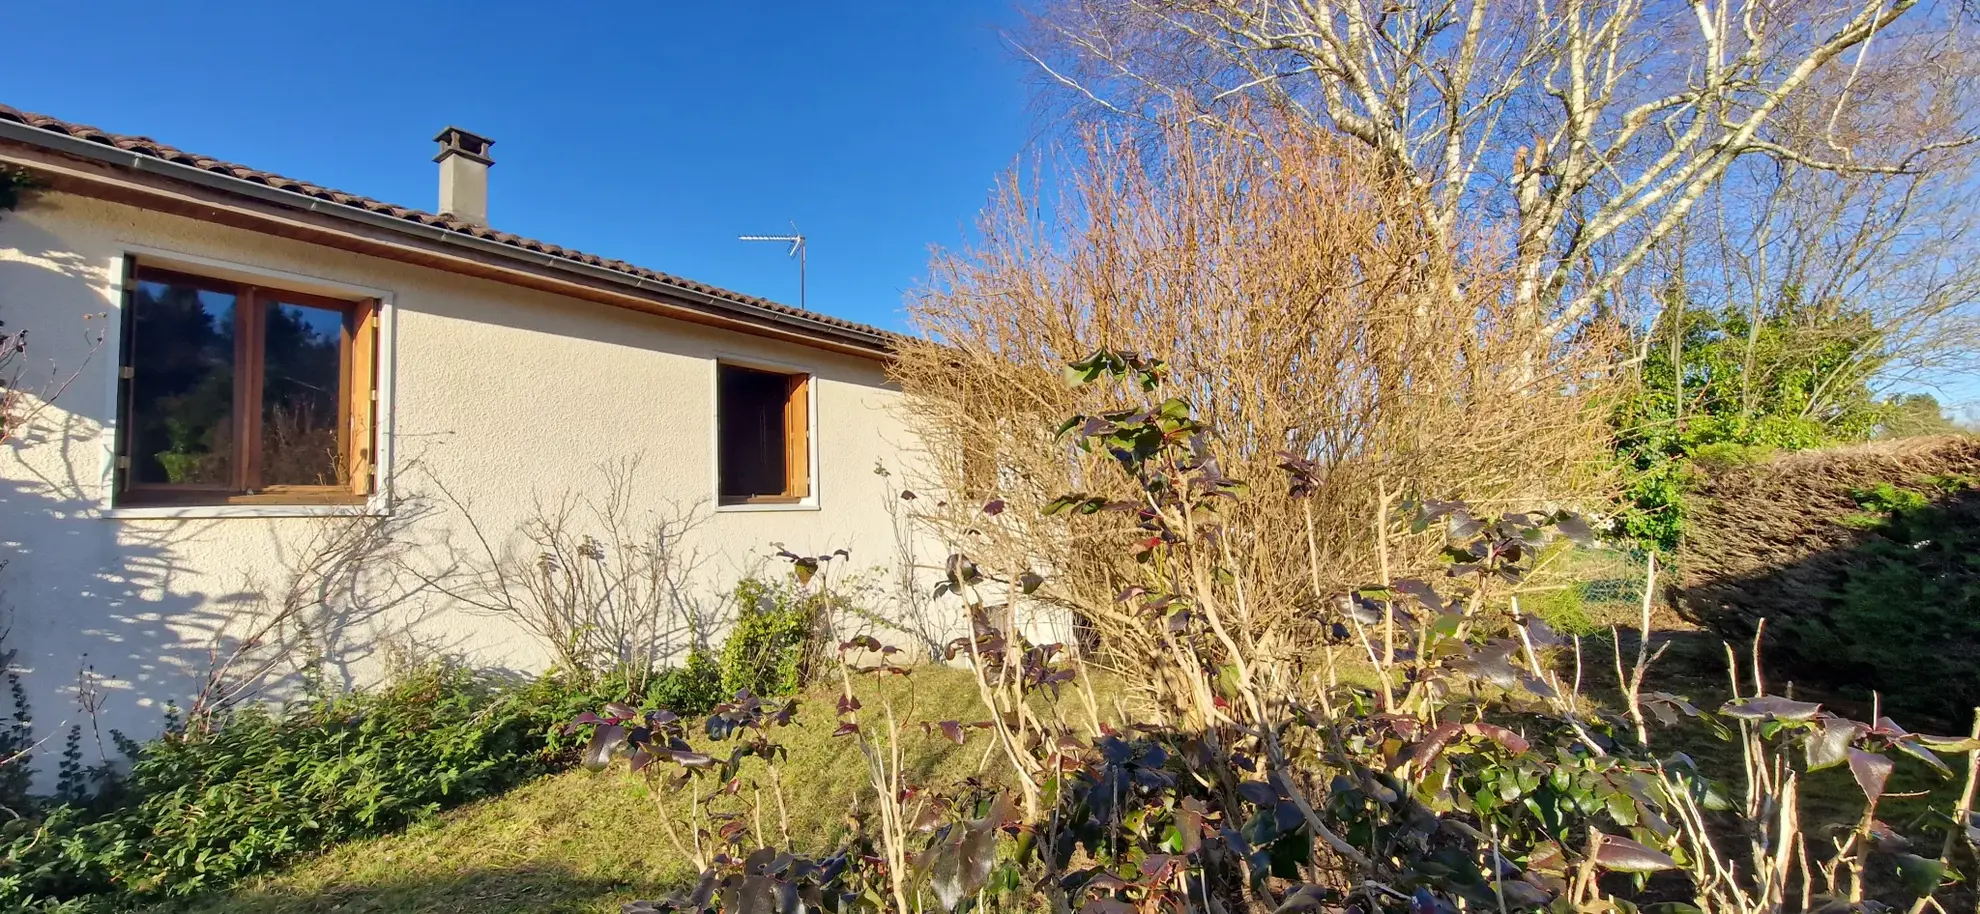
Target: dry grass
<point x="589" y="842"/>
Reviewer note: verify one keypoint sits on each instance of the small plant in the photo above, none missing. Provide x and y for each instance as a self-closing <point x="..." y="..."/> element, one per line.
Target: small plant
<point x="654" y="743"/>
<point x="769" y="650"/>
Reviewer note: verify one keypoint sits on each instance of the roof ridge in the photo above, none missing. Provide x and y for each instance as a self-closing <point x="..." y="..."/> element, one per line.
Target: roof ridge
<point x="147" y="146"/>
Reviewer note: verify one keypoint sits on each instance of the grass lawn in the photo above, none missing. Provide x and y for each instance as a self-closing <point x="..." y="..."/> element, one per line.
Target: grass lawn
<point x="580" y="841"/>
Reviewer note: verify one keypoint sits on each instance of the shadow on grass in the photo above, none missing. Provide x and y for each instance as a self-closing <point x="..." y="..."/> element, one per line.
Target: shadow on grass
<point x="528" y="888"/>
<point x="1694" y="666"/>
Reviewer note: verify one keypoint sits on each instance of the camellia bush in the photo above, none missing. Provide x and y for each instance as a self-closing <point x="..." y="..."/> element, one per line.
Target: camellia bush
<point x="1436" y="753"/>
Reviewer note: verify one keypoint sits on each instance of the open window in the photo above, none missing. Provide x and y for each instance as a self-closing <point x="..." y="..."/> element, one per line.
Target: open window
<point x="243" y="394"/>
<point x="763" y="438"/>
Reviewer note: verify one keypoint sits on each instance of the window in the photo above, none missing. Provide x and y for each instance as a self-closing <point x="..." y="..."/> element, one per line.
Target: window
<point x="763" y="438"/>
<point x="243" y="394"/>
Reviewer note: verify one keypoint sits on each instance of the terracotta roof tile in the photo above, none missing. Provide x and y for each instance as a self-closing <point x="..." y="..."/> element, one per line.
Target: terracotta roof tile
<point x="152" y="148"/>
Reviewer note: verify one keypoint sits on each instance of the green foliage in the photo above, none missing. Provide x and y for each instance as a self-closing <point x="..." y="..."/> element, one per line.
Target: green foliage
<point x="691" y="689"/>
<point x="1565" y="609"/>
<point x="1717" y="388"/>
<point x="769" y="650"/>
<point x="1908" y="415"/>
<point x="201" y="809"/>
<point x="14" y="183"/>
<point x="1913" y="580"/>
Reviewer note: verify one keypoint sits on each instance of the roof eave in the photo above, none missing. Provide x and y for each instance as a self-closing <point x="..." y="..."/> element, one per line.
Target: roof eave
<point x="874" y="344"/>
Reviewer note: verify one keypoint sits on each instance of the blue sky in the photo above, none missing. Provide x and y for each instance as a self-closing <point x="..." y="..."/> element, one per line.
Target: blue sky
<point x="654" y="132"/>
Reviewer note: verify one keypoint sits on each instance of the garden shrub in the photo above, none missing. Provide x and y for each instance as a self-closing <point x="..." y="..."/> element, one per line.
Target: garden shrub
<point x="1714" y="390"/>
<point x="1471" y="775"/>
<point x="1863" y="562"/>
<point x="769" y="650"/>
<point x="203" y="808"/>
<point x="691" y="689"/>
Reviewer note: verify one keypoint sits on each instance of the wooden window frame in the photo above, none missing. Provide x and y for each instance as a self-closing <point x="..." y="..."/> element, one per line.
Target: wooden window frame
<point x="357" y="399"/>
<point x="797" y="438"/>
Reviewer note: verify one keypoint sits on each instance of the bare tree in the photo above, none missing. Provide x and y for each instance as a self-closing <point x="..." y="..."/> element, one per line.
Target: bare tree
<point x="1594" y="129"/>
<point x="1884" y="258"/>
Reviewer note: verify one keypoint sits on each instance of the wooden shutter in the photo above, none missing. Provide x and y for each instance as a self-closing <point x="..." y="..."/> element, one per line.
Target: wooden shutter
<point x="797" y="436"/>
<point x="361" y="399"/>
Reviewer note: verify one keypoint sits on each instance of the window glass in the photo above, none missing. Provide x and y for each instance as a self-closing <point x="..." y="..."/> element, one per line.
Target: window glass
<point x="301" y="382"/>
<point x="750" y="413"/>
<point x="237" y="393"/>
<point x="182" y="385"/>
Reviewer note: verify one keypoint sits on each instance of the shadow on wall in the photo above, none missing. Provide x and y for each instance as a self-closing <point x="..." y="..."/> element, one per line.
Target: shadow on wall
<point x="105" y="620"/>
<point x="110" y="628"/>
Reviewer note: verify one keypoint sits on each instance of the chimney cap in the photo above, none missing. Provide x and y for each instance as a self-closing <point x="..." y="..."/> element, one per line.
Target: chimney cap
<point x="455" y="141"/>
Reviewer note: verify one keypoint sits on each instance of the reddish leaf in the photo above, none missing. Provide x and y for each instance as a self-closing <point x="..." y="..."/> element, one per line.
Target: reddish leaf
<point x="1507" y="739"/>
<point x="1156" y="867"/>
<point x="1871" y="771"/>
<point x="1772" y="707"/>
<point x="1424" y="752"/>
<point x="1576" y="530"/>
<point x="1829" y="746"/>
<point x="1625" y="856"/>
<point x="606" y="741"/>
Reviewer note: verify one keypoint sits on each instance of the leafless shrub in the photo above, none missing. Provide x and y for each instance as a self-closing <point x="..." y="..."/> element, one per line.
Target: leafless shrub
<point x="1303" y="308"/>
<point x="605" y="586"/>
<point x="340" y="580"/>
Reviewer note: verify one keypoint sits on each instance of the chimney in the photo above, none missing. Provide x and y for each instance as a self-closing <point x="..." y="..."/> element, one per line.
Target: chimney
<point x="464" y="165"/>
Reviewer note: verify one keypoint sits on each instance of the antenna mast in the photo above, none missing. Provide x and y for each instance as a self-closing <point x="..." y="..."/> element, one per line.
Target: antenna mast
<point x="796" y="241"/>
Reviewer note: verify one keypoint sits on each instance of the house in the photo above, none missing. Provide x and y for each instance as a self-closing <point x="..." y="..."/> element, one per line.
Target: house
<point x="254" y="395"/>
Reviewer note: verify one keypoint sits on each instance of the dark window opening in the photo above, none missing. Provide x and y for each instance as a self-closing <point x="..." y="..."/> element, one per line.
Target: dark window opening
<point x="763" y="436"/>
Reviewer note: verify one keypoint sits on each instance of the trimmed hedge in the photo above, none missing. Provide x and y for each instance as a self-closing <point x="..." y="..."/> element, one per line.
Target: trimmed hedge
<point x="1864" y="560"/>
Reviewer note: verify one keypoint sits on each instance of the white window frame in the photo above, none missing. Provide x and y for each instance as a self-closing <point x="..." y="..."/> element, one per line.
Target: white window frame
<point x="378" y="504"/>
<point x="811" y="501"/>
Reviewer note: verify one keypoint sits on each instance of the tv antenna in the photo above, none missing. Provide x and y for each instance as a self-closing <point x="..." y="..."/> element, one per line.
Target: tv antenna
<point x="796" y="241"/>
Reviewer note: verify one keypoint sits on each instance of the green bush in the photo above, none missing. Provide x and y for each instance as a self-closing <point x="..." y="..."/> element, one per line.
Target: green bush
<point x="1712" y="388"/>
<point x="769" y="650"/>
<point x="691" y="689"/>
<point x="200" y="810"/>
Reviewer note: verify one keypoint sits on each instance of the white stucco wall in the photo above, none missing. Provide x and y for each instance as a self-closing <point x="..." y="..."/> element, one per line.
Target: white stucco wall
<point x="503" y="395"/>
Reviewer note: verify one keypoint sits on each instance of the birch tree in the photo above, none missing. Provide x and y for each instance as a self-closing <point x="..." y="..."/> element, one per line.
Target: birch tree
<point x="1592" y="129"/>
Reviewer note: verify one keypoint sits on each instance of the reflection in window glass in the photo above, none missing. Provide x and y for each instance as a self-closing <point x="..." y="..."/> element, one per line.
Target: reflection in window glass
<point x="182" y="385"/>
<point x="302" y="369"/>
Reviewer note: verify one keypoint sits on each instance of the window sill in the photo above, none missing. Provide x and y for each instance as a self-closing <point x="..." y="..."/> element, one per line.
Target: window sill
<point x="196" y="512"/>
<point x="743" y="507"/>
